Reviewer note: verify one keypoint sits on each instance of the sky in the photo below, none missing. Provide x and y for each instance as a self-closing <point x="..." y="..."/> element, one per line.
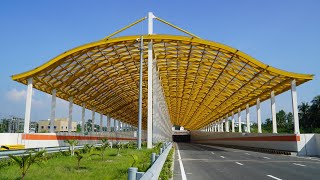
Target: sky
<point x="284" y="34"/>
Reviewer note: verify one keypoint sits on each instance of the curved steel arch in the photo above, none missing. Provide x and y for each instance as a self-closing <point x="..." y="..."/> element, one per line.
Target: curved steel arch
<point x="202" y="80"/>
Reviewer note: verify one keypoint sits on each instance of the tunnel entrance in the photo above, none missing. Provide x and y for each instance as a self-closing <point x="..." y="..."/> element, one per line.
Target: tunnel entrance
<point x="181" y="136"/>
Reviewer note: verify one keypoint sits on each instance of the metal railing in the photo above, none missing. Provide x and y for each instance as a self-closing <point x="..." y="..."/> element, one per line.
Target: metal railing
<point x="154" y="171"/>
<point x="5" y="153"/>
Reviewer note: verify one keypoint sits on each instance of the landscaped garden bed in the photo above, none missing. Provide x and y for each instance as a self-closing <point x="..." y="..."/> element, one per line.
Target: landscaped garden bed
<point x="85" y="164"/>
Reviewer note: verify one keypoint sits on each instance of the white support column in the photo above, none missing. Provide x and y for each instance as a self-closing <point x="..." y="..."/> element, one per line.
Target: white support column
<point x="248" y="118"/>
<point x="53" y="110"/>
<point x="232" y="122"/>
<point x="215" y="128"/>
<point x="218" y="127"/>
<point x="101" y="120"/>
<point x="116" y="125"/>
<point x="120" y="126"/>
<point x="108" y="123"/>
<point x="295" y="107"/>
<point x="27" y="115"/>
<point x="83" y="117"/>
<point x="70" y="114"/>
<point x="150" y="83"/>
<point x="93" y="119"/>
<point x="239" y="120"/>
<point x="259" y="116"/>
<point x="227" y="123"/>
<point x="273" y="113"/>
<point x="222" y="129"/>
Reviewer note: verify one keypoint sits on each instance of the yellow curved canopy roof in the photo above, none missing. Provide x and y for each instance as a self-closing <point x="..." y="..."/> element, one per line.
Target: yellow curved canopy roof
<point x="202" y="80"/>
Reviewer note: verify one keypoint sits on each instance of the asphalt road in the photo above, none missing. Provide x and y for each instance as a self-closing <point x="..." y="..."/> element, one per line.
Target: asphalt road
<point x="212" y="162"/>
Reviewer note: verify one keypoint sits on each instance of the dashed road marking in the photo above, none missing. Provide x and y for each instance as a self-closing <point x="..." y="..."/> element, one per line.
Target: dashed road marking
<point x="247" y="153"/>
<point x="274" y="177"/>
<point x="239" y="163"/>
<point x="222" y="157"/>
<point x="212" y="152"/>
<point x="266" y="157"/>
<point x="299" y="164"/>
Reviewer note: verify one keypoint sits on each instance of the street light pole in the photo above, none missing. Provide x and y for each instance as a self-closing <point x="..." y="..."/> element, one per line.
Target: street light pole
<point x="140" y="94"/>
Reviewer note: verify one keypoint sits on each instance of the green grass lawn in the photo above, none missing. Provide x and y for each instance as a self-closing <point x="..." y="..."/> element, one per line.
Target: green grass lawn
<point x="65" y="167"/>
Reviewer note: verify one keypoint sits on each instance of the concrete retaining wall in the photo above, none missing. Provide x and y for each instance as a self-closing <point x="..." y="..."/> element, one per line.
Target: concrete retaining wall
<point x="303" y="144"/>
<point x="57" y="139"/>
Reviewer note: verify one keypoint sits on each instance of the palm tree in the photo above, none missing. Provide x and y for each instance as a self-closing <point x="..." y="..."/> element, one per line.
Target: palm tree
<point x="26" y="161"/>
<point x="105" y="145"/>
<point x="304" y="114"/>
<point x="79" y="157"/>
<point x="72" y="143"/>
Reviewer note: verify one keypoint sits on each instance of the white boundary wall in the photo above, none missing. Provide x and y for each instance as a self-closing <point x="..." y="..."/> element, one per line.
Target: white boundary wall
<point x="303" y="144"/>
<point x="38" y="140"/>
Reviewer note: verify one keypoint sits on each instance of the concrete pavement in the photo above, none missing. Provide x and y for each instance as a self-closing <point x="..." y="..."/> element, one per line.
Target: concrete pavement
<point x="212" y="162"/>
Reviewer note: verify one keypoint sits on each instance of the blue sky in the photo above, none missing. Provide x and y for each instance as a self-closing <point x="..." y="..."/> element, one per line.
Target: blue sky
<point x="284" y="34"/>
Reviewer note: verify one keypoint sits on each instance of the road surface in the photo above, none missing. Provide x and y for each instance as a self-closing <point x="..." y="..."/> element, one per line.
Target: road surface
<point x="199" y="162"/>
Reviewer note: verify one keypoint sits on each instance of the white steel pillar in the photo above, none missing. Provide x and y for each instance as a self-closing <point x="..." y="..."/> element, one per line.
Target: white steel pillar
<point x="232" y="122"/>
<point x="259" y="116"/>
<point x="273" y="113"/>
<point x="222" y="130"/>
<point x="53" y="110"/>
<point x="83" y="117"/>
<point x="227" y="123"/>
<point x="120" y="126"/>
<point x="248" y="118"/>
<point x="27" y="115"/>
<point x="239" y="120"/>
<point x="108" y="123"/>
<point x="115" y="125"/>
<point x="218" y="127"/>
<point x="295" y="107"/>
<point x="150" y="83"/>
<point x="101" y="120"/>
<point x="215" y="128"/>
<point x="93" y="119"/>
<point x="70" y="114"/>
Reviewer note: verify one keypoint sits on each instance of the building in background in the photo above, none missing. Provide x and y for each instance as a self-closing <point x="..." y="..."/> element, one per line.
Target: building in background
<point x="16" y="125"/>
<point x="60" y="125"/>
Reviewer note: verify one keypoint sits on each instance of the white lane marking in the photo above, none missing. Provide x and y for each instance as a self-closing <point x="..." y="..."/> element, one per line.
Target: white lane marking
<point x="266" y="157"/>
<point x="183" y="173"/>
<point x="212" y="152"/>
<point x="222" y="157"/>
<point x="299" y="164"/>
<point x="274" y="177"/>
<point x="247" y="153"/>
<point x="189" y="173"/>
<point x="239" y="163"/>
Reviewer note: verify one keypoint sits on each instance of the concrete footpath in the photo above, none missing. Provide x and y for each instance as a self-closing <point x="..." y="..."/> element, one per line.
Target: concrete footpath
<point x="211" y="162"/>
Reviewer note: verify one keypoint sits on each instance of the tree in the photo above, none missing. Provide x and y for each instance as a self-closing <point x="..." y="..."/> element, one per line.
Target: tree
<point x="281" y="119"/>
<point x="304" y="115"/>
<point x="78" y="127"/>
<point x="79" y="157"/>
<point x="289" y="120"/>
<point x="104" y="146"/>
<point x="72" y="143"/>
<point x="24" y="162"/>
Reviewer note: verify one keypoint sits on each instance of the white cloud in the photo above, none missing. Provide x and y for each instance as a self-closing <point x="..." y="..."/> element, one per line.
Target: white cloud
<point x="16" y="95"/>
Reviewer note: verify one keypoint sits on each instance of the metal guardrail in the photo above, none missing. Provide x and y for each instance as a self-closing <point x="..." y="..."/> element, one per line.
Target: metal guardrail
<point x="5" y="153"/>
<point x="154" y="171"/>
